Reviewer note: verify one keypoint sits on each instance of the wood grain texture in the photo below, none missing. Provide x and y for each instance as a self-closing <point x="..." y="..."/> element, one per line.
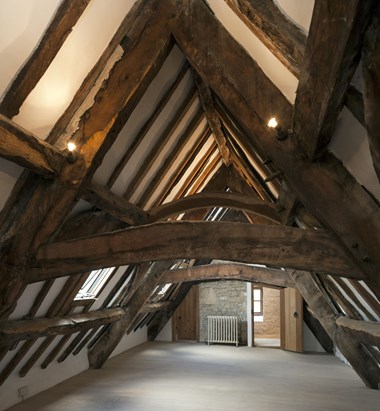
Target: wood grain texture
<point x="360" y="361"/>
<point x="41" y="327"/>
<point x="282" y="37"/>
<point x="228" y="272"/>
<point x="231" y="74"/>
<point x="371" y="86"/>
<point x="365" y="331"/>
<point x="208" y="200"/>
<point x="274" y="245"/>
<point x="331" y="56"/>
<point x="52" y="40"/>
<point x="103" y="198"/>
<point x="23" y="148"/>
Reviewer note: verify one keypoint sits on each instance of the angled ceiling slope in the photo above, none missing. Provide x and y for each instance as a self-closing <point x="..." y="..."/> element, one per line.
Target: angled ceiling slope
<point x="170" y="124"/>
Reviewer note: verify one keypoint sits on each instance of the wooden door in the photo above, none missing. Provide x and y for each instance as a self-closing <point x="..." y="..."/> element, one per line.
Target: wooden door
<point x="291" y="320"/>
<point x="185" y="324"/>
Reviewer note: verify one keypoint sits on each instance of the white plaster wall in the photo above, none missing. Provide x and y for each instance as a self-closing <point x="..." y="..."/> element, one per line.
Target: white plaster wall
<point x="310" y="343"/>
<point x="166" y="332"/>
<point x="39" y="379"/>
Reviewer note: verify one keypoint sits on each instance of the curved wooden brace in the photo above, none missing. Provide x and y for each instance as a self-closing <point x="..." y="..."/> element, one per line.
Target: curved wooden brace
<point x="228" y="271"/>
<point x="206" y="200"/>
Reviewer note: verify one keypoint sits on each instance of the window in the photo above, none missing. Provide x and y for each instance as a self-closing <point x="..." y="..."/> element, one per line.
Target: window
<point x="94" y="283"/>
<point x="258" y="301"/>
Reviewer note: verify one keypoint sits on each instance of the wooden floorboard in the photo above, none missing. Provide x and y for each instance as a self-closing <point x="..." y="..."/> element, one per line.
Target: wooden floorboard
<point x="185" y="376"/>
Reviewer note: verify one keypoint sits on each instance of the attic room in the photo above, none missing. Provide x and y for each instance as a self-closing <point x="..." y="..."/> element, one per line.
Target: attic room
<point x="161" y="161"/>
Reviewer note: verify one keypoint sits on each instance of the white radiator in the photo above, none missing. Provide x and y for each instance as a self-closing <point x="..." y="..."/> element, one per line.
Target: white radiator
<point x="222" y="329"/>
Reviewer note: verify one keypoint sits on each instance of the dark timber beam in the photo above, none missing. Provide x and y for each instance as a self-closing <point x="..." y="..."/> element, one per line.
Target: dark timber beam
<point x="371" y="84"/>
<point x="285" y="40"/>
<point x="23" y="148"/>
<point x="52" y="40"/>
<point x="230" y="73"/>
<point x="228" y="271"/>
<point x="365" y="331"/>
<point x="38" y="207"/>
<point x="103" y="198"/>
<point x="207" y="200"/>
<point x="208" y="105"/>
<point x="282" y="37"/>
<point x="273" y="245"/>
<point x="348" y="345"/>
<point x="331" y="57"/>
<point x="13" y="331"/>
<point x="103" y="348"/>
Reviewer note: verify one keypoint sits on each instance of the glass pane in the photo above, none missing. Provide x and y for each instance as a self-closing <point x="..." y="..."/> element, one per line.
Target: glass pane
<point x="256" y="307"/>
<point x="256" y="294"/>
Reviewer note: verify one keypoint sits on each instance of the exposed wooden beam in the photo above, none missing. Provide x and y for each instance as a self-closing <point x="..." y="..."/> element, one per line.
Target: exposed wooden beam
<point x="161" y="173"/>
<point x="266" y="21"/>
<point x="228" y="272"/>
<point x="207" y="200"/>
<point x="219" y="59"/>
<point x="147" y="126"/>
<point x="331" y="57"/>
<point x="152" y="307"/>
<point x="208" y="105"/>
<point x="371" y="85"/>
<point x="103" y="198"/>
<point x="52" y="40"/>
<point x="23" y="148"/>
<point x="111" y="337"/>
<point x="285" y="40"/>
<point x="162" y="317"/>
<point x="274" y="245"/>
<point x="159" y="145"/>
<point x="12" y="331"/>
<point x="97" y="129"/>
<point x="365" y="331"/>
<point x="362" y="363"/>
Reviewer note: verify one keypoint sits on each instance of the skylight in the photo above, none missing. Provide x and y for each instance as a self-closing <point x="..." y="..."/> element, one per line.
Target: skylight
<point x="94" y="283"/>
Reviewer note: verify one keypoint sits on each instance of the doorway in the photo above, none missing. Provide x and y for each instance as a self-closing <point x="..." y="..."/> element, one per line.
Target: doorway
<point x="266" y="318"/>
<point x="185" y="324"/>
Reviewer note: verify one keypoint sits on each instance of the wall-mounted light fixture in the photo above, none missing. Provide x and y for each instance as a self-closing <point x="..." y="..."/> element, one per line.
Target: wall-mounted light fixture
<point x="70" y="154"/>
<point x="281" y="134"/>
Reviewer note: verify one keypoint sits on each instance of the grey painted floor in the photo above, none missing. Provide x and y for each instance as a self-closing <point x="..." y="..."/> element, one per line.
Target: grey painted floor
<point x="183" y="376"/>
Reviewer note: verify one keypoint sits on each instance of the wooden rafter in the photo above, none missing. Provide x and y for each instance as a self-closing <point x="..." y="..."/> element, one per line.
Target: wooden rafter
<point x="371" y="83"/>
<point x="274" y="245"/>
<point x="12" y="331"/>
<point x="98" y="128"/>
<point x="329" y="184"/>
<point x="360" y="361"/>
<point x="331" y="57"/>
<point x="55" y="35"/>
<point x="365" y="331"/>
<point x="208" y="105"/>
<point x="285" y="40"/>
<point x="115" y="205"/>
<point x="27" y="150"/>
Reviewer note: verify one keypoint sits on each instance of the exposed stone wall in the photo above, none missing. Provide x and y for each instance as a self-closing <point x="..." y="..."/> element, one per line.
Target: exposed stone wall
<point x="270" y="327"/>
<point x="223" y="298"/>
